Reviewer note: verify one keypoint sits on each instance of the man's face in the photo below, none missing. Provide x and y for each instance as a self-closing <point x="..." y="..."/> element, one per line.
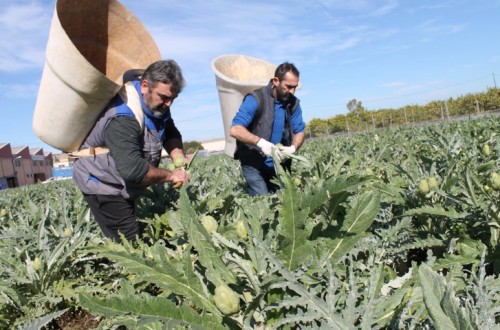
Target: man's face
<point x="158" y="98"/>
<point x="285" y="87"/>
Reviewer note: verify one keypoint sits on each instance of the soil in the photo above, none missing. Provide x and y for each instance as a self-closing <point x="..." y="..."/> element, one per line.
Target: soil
<point x="75" y="319"/>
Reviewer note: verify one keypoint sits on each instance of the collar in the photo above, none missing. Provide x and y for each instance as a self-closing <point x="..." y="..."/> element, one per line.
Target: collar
<point x="149" y="113"/>
<point x="152" y="121"/>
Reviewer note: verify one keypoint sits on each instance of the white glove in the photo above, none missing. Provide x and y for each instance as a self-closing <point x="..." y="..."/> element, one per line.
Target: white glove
<point x="288" y="150"/>
<point x="266" y="147"/>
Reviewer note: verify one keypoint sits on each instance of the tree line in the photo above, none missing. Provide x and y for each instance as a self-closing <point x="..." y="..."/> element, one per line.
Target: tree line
<point x="359" y="118"/>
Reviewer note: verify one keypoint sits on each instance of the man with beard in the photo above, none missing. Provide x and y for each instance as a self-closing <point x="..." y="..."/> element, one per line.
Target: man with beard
<point x="120" y="156"/>
<point x="268" y="122"/>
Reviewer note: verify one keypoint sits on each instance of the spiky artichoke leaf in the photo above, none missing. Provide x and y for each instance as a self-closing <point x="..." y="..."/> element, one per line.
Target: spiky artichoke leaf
<point x="357" y="220"/>
<point x="295" y="246"/>
<point x="149" y="308"/>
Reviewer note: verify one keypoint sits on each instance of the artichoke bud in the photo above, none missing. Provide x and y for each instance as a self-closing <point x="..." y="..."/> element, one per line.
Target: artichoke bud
<point x="241" y="230"/>
<point x="209" y="223"/>
<point x="226" y="300"/>
<point x="423" y="187"/>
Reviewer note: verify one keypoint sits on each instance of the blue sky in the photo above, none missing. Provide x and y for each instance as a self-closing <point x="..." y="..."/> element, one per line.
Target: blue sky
<point x="384" y="53"/>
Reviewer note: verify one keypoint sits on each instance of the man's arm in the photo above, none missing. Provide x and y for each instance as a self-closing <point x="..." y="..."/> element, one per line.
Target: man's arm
<point x="173" y="141"/>
<point x="174" y="147"/>
<point x="243" y="119"/>
<point x="298" y="125"/>
<point x="241" y="133"/>
<point x="159" y="175"/>
<point x="122" y="138"/>
<point x="298" y="139"/>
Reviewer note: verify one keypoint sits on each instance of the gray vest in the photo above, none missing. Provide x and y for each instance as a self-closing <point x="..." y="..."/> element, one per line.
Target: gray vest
<point x="98" y="174"/>
<point x="262" y="124"/>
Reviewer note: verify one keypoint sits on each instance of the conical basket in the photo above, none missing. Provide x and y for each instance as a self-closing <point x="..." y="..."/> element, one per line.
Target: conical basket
<point x="91" y="44"/>
<point x="235" y="76"/>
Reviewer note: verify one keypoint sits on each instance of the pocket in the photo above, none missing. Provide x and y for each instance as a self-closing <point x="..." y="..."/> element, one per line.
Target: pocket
<point x="95" y="186"/>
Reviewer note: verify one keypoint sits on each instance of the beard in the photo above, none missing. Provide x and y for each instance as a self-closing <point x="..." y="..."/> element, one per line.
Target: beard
<point x="157" y="110"/>
<point x="282" y="96"/>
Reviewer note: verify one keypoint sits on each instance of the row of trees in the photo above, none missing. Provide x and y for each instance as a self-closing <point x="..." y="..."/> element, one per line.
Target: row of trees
<point x="361" y="119"/>
<point x="191" y="146"/>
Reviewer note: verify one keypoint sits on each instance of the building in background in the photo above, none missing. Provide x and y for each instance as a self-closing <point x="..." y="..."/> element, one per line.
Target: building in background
<point x="42" y="164"/>
<point x="214" y="145"/>
<point x="21" y="165"/>
<point x="62" y="160"/>
<point x="8" y="177"/>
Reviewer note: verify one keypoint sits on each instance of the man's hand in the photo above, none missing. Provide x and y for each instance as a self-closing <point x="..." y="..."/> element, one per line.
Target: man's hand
<point x="288" y="150"/>
<point x="266" y="147"/>
<point x="178" y="177"/>
<point x="270" y="149"/>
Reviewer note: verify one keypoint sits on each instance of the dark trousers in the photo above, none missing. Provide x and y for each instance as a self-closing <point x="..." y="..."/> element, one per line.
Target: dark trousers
<point x="114" y="214"/>
<point x="259" y="178"/>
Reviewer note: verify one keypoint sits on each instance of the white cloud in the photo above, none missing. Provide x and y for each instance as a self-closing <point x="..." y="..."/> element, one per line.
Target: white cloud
<point x="362" y="7"/>
<point x="386" y="8"/>
<point x="22" y="18"/>
<point x="394" y="84"/>
<point x="349" y="43"/>
<point x="346" y="5"/>
<point x="190" y="47"/>
<point x="17" y="91"/>
<point x="409" y="88"/>
<point x="23" y="35"/>
<point x="404" y="90"/>
<point x="353" y="60"/>
<point x="433" y="27"/>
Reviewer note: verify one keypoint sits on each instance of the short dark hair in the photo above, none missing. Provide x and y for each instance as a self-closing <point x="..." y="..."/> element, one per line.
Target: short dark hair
<point x="167" y="72"/>
<point x="283" y="68"/>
